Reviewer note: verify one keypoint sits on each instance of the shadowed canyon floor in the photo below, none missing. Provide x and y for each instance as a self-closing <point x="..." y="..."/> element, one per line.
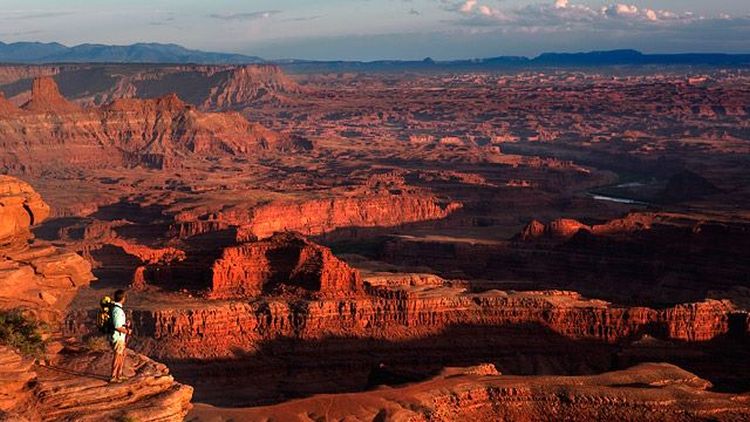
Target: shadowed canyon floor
<point x="558" y="244"/>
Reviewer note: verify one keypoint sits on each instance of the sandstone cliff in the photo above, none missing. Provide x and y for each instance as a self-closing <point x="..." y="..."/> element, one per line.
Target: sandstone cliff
<point x="281" y="263"/>
<point x="242" y="86"/>
<point x="154" y="133"/>
<point x="209" y="87"/>
<point x="7" y="108"/>
<point x="33" y="275"/>
<point x="46" y="98"/>
<point x="318" y="216"/>
<point x="215" y="330"/>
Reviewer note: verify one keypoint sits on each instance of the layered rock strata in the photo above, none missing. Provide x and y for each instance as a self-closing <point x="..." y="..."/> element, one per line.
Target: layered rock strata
<point x="51" y="132"/>
<point x="318" y="216"/>
<point x="284" y="261"/>
<point x="218" y="329"/>
<point x="647" y="392"/>
<point x="73" y="385"/>
<point x="210" y="87"/>
<point x="36" y="276"/>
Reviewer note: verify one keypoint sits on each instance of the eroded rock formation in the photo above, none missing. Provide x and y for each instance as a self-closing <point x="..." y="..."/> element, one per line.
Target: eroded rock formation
<point x="565" y="228"/>
<point x="643" y="258"/>
<point x="242" y="86"/>
<point x="284" y="261"/>
<point x="318" y="216"/>
<point x="403" y="314"/>
<point x="210" y="87"/>
<point x="7" y="108"/>
<point x="41" y="280"/>
<point x="33" y="275"/>
<point x="154" y="133"/>
<point x="46" y="98"/>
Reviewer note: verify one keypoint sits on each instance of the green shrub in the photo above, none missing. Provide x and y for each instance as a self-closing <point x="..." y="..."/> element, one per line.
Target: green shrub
<point x="21" y="333"/>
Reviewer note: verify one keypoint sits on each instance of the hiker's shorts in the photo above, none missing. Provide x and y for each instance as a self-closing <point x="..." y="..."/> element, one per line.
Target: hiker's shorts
<point x="118" y="346"/>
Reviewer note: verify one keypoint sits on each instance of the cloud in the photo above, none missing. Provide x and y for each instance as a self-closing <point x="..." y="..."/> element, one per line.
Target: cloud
<point x="304" y="18"/>
<point x="246" y="16"/>
<point x="28" y="15"/>
<point x="163" y="22"/>
<point x="557" y="15"/>
<point x="468" y="6"/>
<point x="21" y="33"/>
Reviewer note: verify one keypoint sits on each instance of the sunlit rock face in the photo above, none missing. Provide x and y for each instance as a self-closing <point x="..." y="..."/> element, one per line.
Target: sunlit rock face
<point x="33" y="275"/>
<point x="282" y="262"/>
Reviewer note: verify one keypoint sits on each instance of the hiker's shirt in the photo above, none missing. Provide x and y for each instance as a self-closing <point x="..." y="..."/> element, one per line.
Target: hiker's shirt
<point x="118" y="321"/>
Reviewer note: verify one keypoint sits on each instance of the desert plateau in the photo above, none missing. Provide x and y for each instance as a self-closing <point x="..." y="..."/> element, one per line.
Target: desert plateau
<point x="560" y="237"/>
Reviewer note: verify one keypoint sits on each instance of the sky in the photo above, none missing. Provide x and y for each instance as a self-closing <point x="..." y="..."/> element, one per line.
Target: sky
<point x="387" y="29"/>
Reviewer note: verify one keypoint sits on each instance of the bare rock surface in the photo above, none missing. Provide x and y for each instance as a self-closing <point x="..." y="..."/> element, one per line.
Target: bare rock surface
<point x="648" y="392"/>
<point x="33" y="275"/>
<point x="73" y="385"/>
<point x="284" y="261"/>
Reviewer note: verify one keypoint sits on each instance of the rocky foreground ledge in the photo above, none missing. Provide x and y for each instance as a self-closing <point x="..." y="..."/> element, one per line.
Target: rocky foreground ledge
<point x="73" y="385"/>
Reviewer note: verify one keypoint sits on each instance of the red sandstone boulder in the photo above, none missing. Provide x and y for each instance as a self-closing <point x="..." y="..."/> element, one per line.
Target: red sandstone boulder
<point x="139" y="278"/>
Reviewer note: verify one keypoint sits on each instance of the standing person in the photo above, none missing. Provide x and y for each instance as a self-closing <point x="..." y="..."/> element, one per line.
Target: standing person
<point x="119" y="336"/>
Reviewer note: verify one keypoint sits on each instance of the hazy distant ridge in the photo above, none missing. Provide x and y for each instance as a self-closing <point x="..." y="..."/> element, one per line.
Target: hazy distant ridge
<point x="34" y="52"/>
<point x="587" y="59"/>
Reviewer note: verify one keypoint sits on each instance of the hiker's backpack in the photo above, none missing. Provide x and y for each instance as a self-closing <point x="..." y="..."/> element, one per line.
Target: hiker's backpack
<point x="104" y="317"/>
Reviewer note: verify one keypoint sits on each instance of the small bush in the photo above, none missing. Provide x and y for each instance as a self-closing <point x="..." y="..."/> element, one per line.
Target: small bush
<point x="21" y="333"/>
<point x="96" y="343"/>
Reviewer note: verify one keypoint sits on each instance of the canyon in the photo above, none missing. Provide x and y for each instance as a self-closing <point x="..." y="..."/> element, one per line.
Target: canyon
<point x="153" y="133"/>
<point x="379" y="246"/>
<point x="206" y="86"/>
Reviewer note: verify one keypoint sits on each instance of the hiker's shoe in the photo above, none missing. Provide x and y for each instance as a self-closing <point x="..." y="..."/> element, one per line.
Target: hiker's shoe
<point x="114" y="380"/>
<point x="122" y="379"/>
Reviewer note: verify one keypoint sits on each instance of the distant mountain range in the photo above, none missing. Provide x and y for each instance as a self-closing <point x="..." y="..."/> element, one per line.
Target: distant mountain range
<point x="567" y="60"/>
<point x="35" y="52"/>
